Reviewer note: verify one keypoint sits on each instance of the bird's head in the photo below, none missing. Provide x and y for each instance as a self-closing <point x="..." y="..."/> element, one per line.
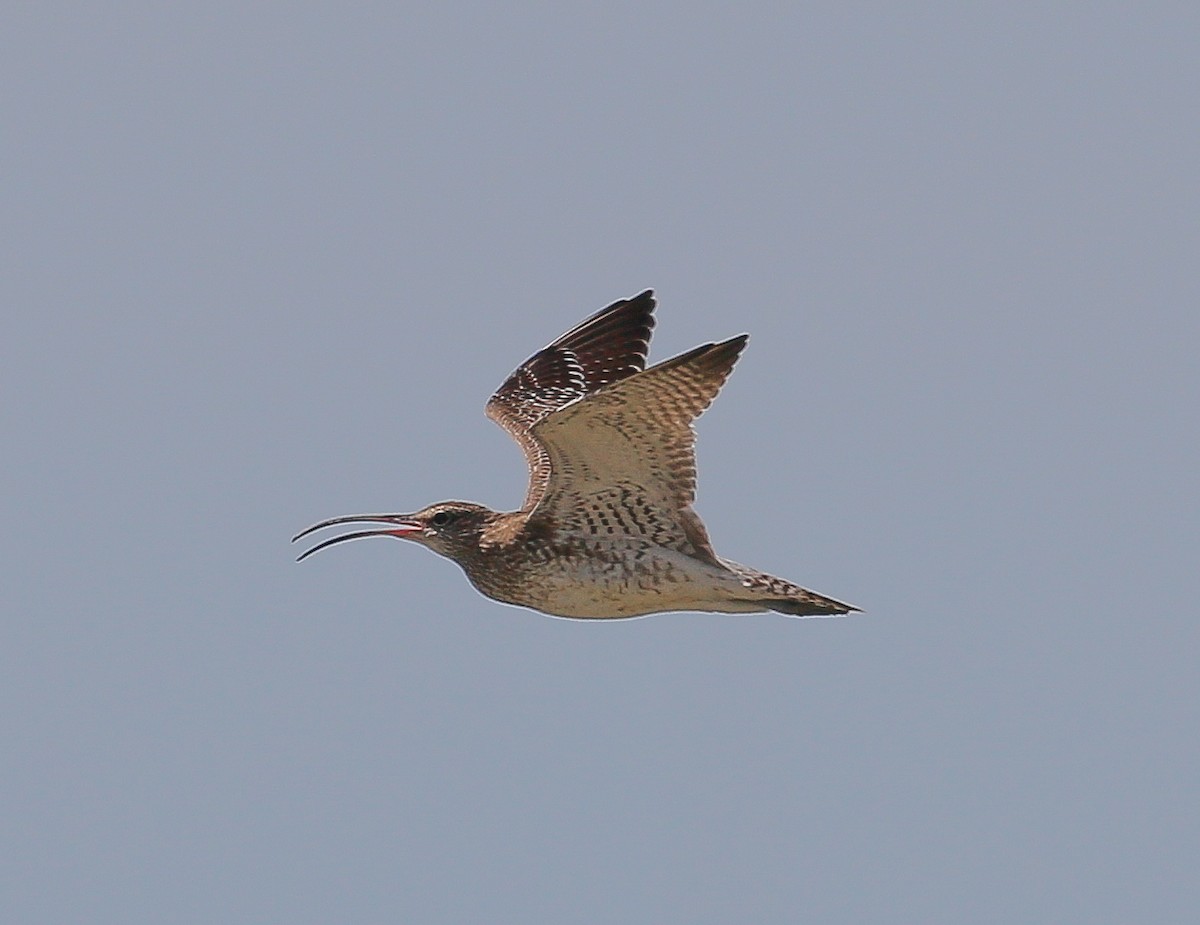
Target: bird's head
<point x="450" y="528"/>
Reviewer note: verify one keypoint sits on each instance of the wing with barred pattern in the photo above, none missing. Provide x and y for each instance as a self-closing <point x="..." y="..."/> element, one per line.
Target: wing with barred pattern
<point x="606" y="348"/>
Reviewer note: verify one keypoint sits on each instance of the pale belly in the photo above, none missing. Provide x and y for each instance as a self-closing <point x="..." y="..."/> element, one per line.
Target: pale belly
<point x="624" y="583"/>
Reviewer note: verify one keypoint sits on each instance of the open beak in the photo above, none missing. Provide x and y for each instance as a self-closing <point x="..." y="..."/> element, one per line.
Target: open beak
<point x="402" y="525"/>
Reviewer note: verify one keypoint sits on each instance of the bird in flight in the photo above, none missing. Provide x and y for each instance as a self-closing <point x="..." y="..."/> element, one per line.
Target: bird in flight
<point x="607" y="529"/>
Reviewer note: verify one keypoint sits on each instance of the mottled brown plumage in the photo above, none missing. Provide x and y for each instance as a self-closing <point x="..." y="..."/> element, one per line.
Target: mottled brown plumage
<point x="607" y="529"/>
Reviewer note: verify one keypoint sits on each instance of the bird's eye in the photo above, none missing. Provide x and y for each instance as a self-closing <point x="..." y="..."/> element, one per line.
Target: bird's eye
<point x="441" y="518"/>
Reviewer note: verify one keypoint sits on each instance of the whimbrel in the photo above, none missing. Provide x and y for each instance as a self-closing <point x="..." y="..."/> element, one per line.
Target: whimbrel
<point x="607" y="529"/>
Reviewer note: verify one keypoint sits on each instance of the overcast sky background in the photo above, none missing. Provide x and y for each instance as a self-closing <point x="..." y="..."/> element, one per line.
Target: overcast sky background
<point x="264" y="263"/>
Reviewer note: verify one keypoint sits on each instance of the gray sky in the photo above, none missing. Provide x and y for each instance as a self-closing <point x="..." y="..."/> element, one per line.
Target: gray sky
<point x="264" y="265"/>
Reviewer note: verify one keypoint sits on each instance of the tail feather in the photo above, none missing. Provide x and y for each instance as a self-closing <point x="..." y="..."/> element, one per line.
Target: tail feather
<point x="810" y="605"/>
<point x="784" y="597"/>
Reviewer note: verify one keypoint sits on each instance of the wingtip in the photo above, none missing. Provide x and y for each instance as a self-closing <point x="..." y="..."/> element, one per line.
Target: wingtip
<point x="729" y="349"/>
<point x="640" y="306"/>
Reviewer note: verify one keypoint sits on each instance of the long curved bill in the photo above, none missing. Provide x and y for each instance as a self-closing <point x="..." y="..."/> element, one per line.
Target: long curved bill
<point x="401" y="525"/>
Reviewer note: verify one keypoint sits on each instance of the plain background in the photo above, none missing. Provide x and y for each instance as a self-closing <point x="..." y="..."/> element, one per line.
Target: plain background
<point x="264" y="263"/>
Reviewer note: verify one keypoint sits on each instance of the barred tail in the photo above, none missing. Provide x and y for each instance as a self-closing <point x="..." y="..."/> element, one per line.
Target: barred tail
<point x="784" y="597"/>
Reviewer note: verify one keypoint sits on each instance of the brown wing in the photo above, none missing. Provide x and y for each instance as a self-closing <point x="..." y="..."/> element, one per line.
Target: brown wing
<point x="607" y="347"/>
<point x="630" y="446"/>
